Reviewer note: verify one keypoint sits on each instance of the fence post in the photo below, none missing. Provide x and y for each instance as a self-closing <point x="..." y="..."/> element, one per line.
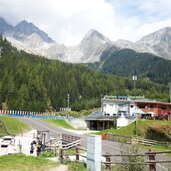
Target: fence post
<point x="152" y="166"/>
<point x="61" y="155"/>
<point x="55" y="151"/>
<point x="77" y="154"/>
<point x="108" y="165"/>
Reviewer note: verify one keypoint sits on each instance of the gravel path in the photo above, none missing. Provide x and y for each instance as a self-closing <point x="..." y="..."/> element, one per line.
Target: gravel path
<point x="59" y="168"/>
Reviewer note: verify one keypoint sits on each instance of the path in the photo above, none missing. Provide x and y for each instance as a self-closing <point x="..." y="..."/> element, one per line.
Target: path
<point x="59" y="168"/>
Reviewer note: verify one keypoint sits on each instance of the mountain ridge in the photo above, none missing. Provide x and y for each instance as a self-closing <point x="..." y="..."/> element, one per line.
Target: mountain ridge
<point x="26" y="36"/>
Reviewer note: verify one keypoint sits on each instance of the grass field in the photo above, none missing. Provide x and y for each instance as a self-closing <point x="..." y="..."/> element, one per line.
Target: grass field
<point x="21" y="162"/>
<point x="59" y="123"/>
<point x="13" y="125"/>
<point x="147" y="129"/>
<point x="144" y="127"/>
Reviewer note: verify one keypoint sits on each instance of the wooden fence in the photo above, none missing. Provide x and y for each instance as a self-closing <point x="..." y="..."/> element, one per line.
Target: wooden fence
<point x="150" y="155"/>
<point x="135" y="140"/>
<point x="151" y="158"/>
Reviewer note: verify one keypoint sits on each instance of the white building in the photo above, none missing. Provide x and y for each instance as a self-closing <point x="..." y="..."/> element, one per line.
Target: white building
<point x="117" y="105"/>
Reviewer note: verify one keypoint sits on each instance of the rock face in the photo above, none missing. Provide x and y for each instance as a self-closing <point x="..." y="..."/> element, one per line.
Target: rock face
<point x="4" y="26"/>
<point x="90" y="48"/>
<point x="24" y="29"/>
<point x="158" y="42"/>
<point x="26" y="36"/>
<point x="126" y="44"/>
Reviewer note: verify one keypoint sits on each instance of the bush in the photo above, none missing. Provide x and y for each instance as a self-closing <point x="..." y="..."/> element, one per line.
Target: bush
<point x="47" y="154"/>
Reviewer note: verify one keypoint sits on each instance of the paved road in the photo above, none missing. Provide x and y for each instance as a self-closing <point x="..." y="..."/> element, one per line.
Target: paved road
<point x="107" y="146"/>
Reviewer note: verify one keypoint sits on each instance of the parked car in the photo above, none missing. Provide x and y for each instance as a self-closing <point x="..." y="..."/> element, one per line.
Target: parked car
<point x="6" y="141"/>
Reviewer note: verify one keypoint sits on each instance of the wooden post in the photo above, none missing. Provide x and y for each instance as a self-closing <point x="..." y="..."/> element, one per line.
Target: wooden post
<point x="152" y="166"/>
<point x="77" y="154"/>
<point x="103" y="125"/>
<point x="55" y="151"/>
<point x="61" y="155"/>
<point x="108" y="159"/>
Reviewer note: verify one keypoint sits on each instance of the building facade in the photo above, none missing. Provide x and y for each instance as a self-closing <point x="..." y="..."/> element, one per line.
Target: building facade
<point x="127" y="105"/>
<point x="114" y="107"/>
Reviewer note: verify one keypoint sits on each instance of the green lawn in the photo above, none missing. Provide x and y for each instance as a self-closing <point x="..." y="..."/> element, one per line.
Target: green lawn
<point x="147" y="129"/>
<point x="127" y="130"/>
<point x="142" y="126"/>
<point x="59" y="123"/>
<point x="73" y="166"/>
<point x="21" y="162"/>
<point x="13" y="125"/>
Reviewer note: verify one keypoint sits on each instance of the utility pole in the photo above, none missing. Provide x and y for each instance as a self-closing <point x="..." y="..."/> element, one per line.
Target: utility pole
<point x="68" y="101"/>
<point x="0" y="52"/>
<point x="169" y="84"/>
<point x="134" y="78"/>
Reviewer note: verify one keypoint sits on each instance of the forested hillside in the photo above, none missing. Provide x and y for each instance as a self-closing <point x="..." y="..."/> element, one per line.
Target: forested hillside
<point x="29" y="82"/>
<point x="128" y="63"/>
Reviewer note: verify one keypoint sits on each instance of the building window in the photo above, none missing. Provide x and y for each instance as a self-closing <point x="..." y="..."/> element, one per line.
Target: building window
<point x="163" y="107"/>
<point x="142" y="106"/>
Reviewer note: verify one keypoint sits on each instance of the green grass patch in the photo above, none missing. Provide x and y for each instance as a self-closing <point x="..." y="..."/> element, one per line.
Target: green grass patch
<point x="73" y="166"/>
<point x="59" y="123"/>
<point x="13" y="126"/>
<point x="127" y="130"/>
<point x="147" y="129"/>
<point x="142" y="127"/>
<point x="20" y="162"/>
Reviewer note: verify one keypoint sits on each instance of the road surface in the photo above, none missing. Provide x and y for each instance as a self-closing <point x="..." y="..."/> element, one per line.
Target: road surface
<point x="107" y="146"/>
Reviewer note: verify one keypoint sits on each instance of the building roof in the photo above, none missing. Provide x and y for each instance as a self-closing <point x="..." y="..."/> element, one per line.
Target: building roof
<point x="138" y="99"/>
<point x="99" y="116"/>
<point x="94" y="116"/>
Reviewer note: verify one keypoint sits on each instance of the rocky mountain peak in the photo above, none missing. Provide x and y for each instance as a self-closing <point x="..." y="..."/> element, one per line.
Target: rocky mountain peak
<point x="24" y="29"/>
<point x="156" y="37"/>
<point x="158" y="42"/>
<point x="94" y="35"/>
<point x="4" y="26"/>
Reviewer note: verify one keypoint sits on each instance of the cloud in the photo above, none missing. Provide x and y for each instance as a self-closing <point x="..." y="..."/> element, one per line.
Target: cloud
<point x="67" y="21"/>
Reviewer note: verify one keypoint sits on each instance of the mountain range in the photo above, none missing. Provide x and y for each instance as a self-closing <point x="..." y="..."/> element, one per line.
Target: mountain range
<point x="32" y="83"/>
<point x="28" y="37"/>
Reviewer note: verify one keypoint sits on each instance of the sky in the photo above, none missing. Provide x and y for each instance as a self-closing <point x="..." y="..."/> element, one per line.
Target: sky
<point x="67" y="21"/>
